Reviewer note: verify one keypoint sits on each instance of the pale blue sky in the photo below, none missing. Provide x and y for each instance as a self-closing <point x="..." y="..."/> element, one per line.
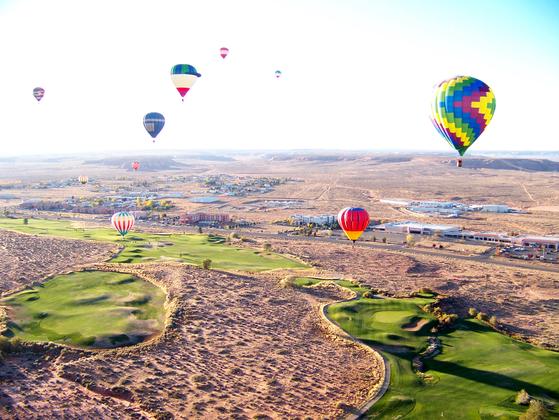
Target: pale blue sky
<point x="356" y="74"/>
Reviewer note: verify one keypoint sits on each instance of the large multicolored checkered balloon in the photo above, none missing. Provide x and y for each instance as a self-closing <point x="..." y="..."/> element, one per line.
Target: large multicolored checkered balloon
<point x="462" y="108"/>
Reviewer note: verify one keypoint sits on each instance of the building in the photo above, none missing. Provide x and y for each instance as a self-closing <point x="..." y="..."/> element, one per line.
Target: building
<point x="205" y="218"/>
<point x="549" y="242"/>
<point x="320" y="220"/>
<point x="417" y="228"/>
<point x="492" y="208"/>
<point x="396" y="202"/>
<point x="439" y="211"/>
<point x="489" y="237"/>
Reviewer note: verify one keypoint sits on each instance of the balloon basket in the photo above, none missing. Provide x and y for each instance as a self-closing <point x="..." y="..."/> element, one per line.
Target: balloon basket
<point x="458" y="163"/>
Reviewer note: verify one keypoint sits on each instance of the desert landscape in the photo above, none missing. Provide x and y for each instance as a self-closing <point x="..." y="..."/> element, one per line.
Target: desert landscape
<point x="241" y="338"/>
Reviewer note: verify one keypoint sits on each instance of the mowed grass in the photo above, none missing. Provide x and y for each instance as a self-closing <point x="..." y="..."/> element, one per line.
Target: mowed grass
<point x="146" y="247"/>
<point x="87" y="309"/>
<point x="476" y="376"/>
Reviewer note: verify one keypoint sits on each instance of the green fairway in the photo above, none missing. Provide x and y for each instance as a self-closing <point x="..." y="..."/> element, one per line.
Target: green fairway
<point x="146" y="247"/>
<point x="87" y="309"/>
<point x="476" y="376"/>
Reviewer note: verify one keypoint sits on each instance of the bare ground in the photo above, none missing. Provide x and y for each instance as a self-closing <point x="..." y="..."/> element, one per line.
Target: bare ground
<point x="28" y="258"/>
<point x="234" y="346"/>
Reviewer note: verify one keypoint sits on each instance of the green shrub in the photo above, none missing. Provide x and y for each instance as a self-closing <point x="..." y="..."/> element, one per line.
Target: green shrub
<point x="522" y="398"/>
<point x="472" y="312"/>
<point x="207" y="263"/>
<point x="268" y="247"/>
<point x="536" y="411"/>
<point x="481" y="316"/>
<point x="493" y="320"/>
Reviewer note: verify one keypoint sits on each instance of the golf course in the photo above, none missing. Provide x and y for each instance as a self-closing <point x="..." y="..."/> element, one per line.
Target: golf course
<point x="148" y="247"/>
<point x="478" y="368"/>
<point x="87" y="309"/>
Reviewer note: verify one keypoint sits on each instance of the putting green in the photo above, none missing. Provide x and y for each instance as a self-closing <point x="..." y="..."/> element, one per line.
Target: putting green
<point x="149" y="247"/>
<point x="393" y="317"/>
<point x="88" y="309"/>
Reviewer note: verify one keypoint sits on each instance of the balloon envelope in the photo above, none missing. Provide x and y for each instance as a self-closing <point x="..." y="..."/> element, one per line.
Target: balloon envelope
<point x="83" y="179"/>
<point x="184" y="76"/>
<point x="353" y="221"/>
<point x="135" y="165"/>
<point x="223" y="52"/>
<point x="462" y="108"/>
<point x="278" y="73"/>
<point x="123" y="222"/>
<point x="38" y="93"/>
<point x="154" y="122"/>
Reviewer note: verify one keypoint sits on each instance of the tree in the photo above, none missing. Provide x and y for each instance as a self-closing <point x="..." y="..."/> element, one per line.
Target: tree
<point x="383" y="240"/>
<point x="536" y="411"/>
<point x="268" y="247"/>
<point x="206" y="264"/>
<point x="199" y="229"/>
<point x="410" y="241"/>
<point x="493" y="320"/>
<point x="26" y="221"/>
<point x="481" y="316"/>
<point x="472" y="312"/>
<point x="522" y="398"/>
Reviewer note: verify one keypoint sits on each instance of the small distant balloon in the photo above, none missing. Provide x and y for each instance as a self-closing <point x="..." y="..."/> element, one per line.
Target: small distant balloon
<point x="278" y="74"/>
<point x="184" y="76"/>
<point x="353" y="221"/>
<point x="223" y="52"/>
<point x="135" y="165"/>
<point x="462" y="108"/>
<point x="38" y="93"/>
<point x="154" y="122"/>
<point x="83" y="179"/>
<point x="123" y="222"/>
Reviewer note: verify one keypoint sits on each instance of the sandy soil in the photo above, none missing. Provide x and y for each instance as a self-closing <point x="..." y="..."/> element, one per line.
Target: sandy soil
<point x="28" y="258"/>
<point x="234" y="347"/>
<point x="525" y="302"/>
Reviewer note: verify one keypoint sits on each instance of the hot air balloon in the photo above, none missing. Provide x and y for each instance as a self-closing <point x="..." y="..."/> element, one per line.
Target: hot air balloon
<point x="135" y="165"/>
<point x="184" y="76"/>
<point x="83" y="179"/>
<point x="123" y="222"/>
<point x="38" y="93"/>
<point x="154" y="122"/>
<point x="278" y="74"/>
<point x="462" y="107"/>
<point x="223" y="52"/>
<point x="353" y="221"/>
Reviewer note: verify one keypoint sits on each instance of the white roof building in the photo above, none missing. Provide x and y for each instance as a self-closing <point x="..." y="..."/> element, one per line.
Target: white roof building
<point x="417" y="228"/>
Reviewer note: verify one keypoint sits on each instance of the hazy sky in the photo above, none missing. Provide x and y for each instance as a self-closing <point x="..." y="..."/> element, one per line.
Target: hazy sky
<point x="356" y="74"/>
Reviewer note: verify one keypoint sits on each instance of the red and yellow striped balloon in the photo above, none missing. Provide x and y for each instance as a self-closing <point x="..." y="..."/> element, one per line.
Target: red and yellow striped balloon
<point x="123" y="222"/>
<point x="353" y="221"/>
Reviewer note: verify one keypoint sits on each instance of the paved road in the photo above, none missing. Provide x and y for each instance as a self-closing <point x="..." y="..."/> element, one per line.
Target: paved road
<point x="485" y="258"/>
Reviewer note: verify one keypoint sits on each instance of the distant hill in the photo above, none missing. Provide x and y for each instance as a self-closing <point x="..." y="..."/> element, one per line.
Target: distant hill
<point x="147" y="163"/>
<point x="337" y="157"/>
<point x="539" y="165"/>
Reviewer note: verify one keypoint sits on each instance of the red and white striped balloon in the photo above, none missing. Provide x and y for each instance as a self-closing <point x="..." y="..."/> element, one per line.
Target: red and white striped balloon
<point x="223" y="52"/>
<point x="123" y="222"/>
